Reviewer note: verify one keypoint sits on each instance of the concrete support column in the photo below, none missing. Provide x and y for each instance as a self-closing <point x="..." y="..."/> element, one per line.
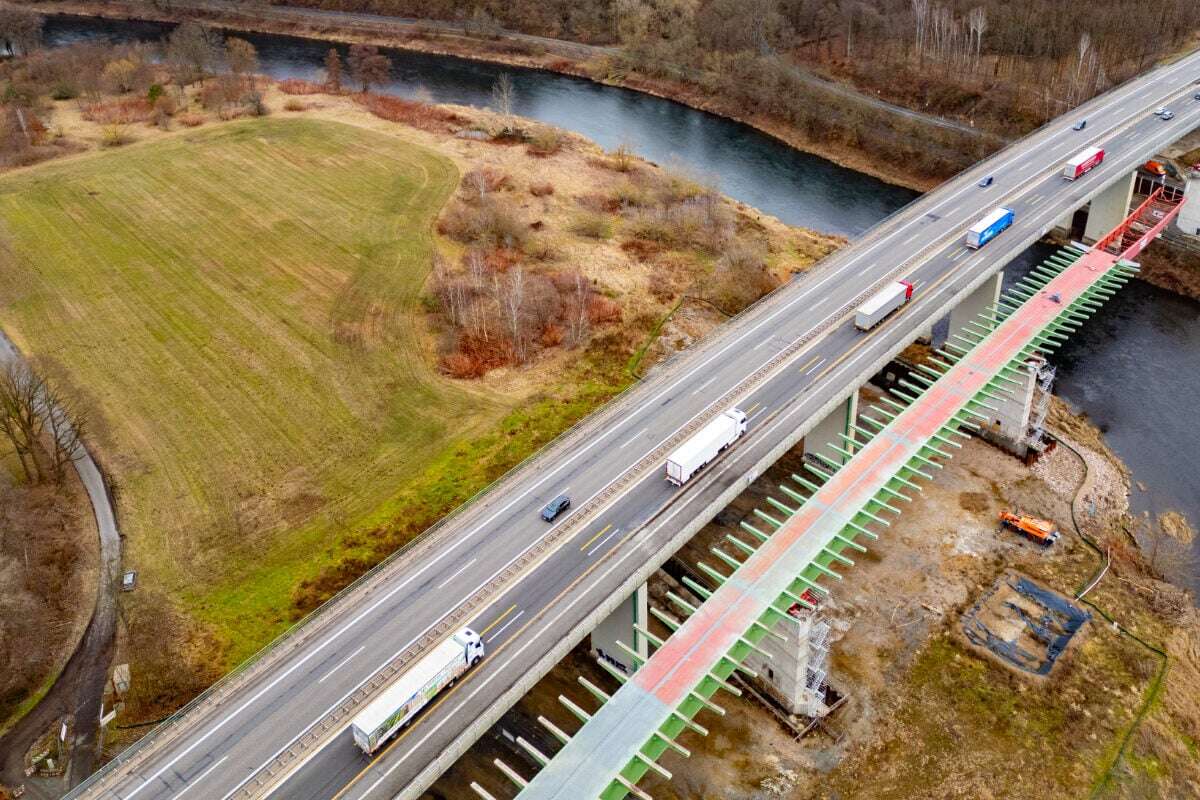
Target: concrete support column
<point x="619" y="627"/>
<point x="1188" y="219"/>
<point x="793" y="670"/>
<point x="977" y="302"/>
<point x="1109" y="209"/>
<point x="828" y="430"/>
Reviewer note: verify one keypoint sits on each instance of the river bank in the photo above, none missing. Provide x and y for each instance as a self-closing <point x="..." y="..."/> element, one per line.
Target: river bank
<point x="568" y="58"/>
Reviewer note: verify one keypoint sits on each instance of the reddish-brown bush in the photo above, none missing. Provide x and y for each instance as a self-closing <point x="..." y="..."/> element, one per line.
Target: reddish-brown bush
<point x="541" y="189"/>
<point x="297" y="86"/>
<point x="552" y="335"/>
<point x="475" y="356"/>
<point x="419" y="115"/>
<point x="602" y="311"/>
<point x="190" y="120"/>
<point x="123" y="111"/>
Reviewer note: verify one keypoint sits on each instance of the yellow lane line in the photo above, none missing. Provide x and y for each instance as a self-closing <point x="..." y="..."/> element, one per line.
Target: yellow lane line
<point x="496" y="621"/>
<point x="601" y="532"/>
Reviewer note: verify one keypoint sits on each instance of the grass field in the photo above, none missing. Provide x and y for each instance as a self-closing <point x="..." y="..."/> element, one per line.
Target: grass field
<point x="240" y="308"/>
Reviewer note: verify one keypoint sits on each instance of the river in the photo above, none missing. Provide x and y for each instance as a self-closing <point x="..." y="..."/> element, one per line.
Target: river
<point x="1134" y="369"/>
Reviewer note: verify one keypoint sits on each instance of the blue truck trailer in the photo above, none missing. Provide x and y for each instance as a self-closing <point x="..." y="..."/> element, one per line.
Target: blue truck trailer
<point x="987" y="228"/>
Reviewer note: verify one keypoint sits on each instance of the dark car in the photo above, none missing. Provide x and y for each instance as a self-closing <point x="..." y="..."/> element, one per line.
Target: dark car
<point x="1078" y="126"/>
<point x="1196" y="97"/>
<point x="986" y="182"/>
<point x="556" y="507"/>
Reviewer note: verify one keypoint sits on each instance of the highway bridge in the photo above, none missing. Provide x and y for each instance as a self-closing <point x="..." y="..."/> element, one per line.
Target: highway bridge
<point x="279" y="724"/>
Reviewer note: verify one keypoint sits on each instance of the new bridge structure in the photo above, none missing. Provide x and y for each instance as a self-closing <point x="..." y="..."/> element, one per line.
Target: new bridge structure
<point x="278" y="725"/>
<point x="822" y="520"/>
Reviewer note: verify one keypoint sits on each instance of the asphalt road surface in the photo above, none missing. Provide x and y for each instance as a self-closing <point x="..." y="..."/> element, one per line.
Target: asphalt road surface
<point x="222" y="746"/>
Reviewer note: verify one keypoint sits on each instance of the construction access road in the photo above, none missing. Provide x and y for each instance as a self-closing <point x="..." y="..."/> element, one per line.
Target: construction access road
<point x="535" y="589"/>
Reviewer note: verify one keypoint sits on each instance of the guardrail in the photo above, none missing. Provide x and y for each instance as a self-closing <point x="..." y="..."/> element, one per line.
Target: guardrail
<point x="297" y="634"/>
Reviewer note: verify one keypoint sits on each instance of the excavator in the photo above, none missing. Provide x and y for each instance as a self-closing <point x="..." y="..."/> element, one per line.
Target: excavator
<point x="1040" y="531"/>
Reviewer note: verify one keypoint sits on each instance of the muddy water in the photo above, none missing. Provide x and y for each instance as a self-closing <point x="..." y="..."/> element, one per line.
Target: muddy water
<point x="1134" y="369"/>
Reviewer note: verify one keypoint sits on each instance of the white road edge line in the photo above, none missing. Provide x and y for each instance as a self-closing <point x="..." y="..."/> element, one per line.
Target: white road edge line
<point x="457" y="572"/>
<point x="342" y="663"/>
<point x="504" y="627"/>
<point x="200" y="777"/>
<point x="602" y="542"/>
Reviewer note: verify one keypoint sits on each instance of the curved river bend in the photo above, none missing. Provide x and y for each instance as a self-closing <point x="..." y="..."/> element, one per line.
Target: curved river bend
<point x="1135" y="368"/>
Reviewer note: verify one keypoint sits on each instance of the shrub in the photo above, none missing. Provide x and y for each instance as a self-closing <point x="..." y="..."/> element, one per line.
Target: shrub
<point x="294" y="105"/>
<point x="256" y="106"/>
<point x="488" y="223"/>
<point x="164" y="108"/>
<point x="297" y="86"/>
<point x="123" y="111"/>
<point x="419" y="115"/>
<point x="114" y="134"/>
<point x="191" y="120"/>
<point x="482" y="181"/>
<point x="545" y="142"/>
<point x="602" y="310"/>
<point x="593" y="226"/>
<point x="64" y="91"/>
<point x="541" y="189"/>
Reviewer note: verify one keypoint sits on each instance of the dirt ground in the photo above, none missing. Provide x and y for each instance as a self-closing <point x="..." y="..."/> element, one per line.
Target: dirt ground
<point x="48" y="569"/>
<point x="925" y="715"/>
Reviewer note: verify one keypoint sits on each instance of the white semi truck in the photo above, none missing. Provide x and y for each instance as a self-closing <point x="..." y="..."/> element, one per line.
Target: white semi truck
<point x="882" y="303"/>
<point x="393" y="709"/>
<point x="705" y="445"/>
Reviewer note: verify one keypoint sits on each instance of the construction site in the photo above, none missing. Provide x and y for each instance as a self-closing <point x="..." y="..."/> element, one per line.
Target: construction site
<point x="952" y="643"/>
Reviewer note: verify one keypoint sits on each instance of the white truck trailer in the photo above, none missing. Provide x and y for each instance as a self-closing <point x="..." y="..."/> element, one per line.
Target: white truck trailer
<point x="884" y="302"/>
<point x="393" y="709"/>
<point x="704" y="445"/>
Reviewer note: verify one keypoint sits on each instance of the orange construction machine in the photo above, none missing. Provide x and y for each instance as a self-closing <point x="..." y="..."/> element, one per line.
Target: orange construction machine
<point x="1041" y="531"/>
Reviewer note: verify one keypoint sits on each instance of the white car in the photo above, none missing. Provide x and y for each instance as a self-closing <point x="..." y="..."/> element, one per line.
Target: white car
<point x="1166" y="115"/>
<point x="1158" y="112"/>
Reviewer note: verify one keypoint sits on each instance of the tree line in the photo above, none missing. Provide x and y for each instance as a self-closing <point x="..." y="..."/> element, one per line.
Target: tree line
<point x="40" y="424"/>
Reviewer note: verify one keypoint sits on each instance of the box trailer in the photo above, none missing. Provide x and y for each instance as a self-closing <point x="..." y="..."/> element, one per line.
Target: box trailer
<point x="882" y="303"/>
<point x="401" y="701"/>
<point x="705" y="445"/>
<point x="989" y="227"/>
<point x="1082" y="162"/>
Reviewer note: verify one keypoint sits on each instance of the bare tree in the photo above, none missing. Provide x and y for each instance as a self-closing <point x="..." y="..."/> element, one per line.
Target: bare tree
<point x="368" y="66"/>
<point x="333" y="70"/>
<point x="503" y="96"/>
<point x="242" y="57"/>
<point x="577" y="310"/>
<point x="193" y="51"/>
<point x="21" y="422"/>
<point x="921" y="18"/>
<point x="510" y="297"/>
<point x="20" y="31"/>
<point x="978" y="23"/>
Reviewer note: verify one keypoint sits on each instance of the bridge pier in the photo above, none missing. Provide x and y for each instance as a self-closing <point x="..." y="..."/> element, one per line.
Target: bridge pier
<point x="1109" y="209"/>
<point x="619" y="626"/>
<point x="831" y="429"/>
<point x="793" y="669"/>
<point x="977" y="302"/>
<point x="1188" y="220"/>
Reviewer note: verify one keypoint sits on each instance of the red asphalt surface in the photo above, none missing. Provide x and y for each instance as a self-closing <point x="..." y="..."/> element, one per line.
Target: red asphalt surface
<point x="688" y="654"/>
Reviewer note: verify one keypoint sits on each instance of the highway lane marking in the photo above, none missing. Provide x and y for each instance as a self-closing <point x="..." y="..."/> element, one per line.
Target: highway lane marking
<point x="870" y="267"/>
<point x="504" y="627"/>
<point x="959" y="255"/>
<point x="705" y="385"/>
<point x="911" y="238"/>
<point x="837" y="365"/>
<point x="342" y="663"/>
<point x="833" y="273"/>
<point x="496" y="621"/>
<point x="756" y="413"/>
<point x="809" y="364"/>
<point x="764" y="342"/>
<point x="632" y="439"/>
<point x="457" y="572"/>
<point x="602" y="542"/>
<point x="599" y="533"/>
<point x="848" y="353"/>
<point x="445" y="697"/>
<point x="814" y="366"/>
<point x="199" y="778"/>
<point x="751" y="408"/>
